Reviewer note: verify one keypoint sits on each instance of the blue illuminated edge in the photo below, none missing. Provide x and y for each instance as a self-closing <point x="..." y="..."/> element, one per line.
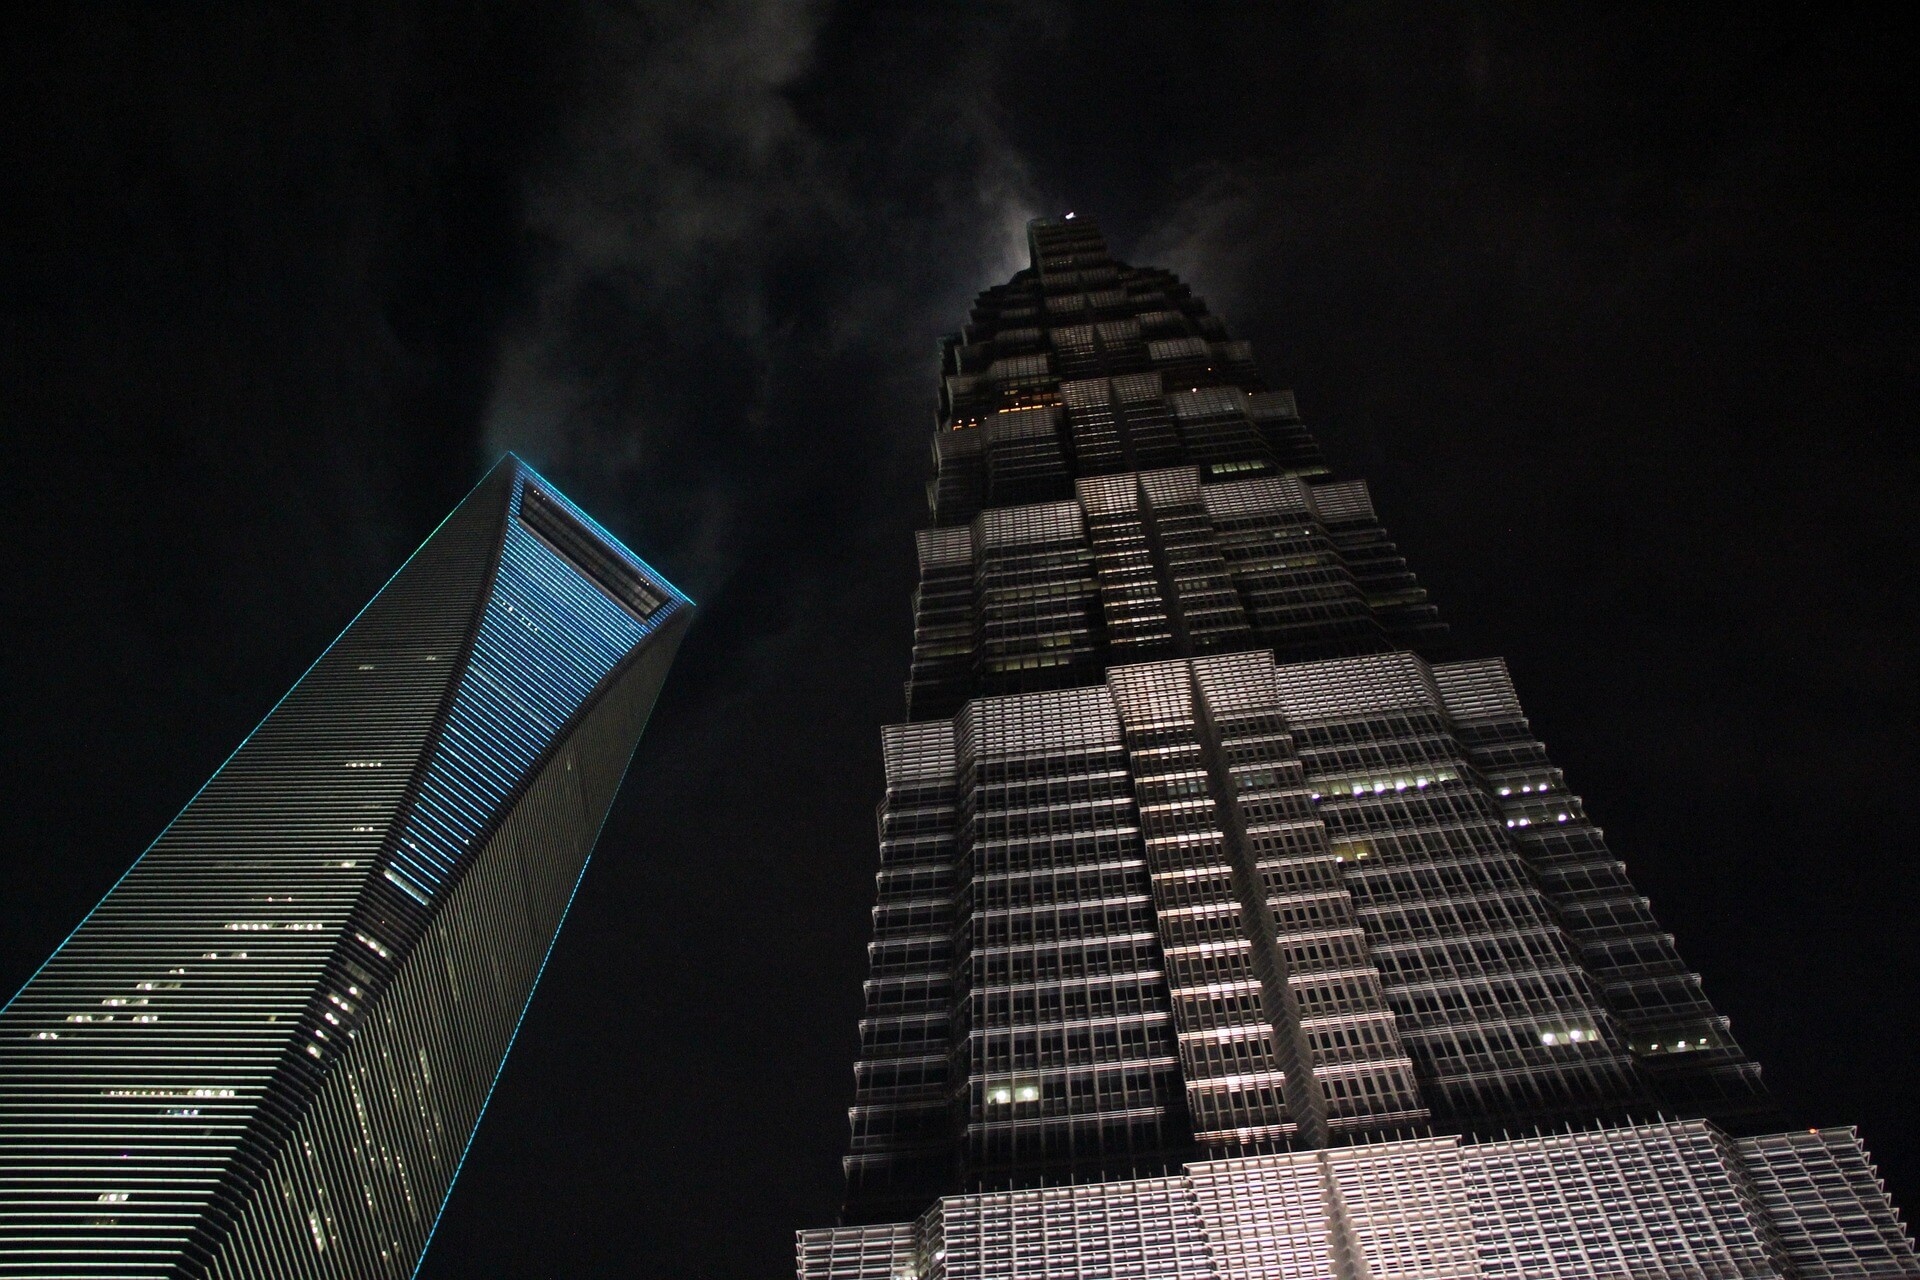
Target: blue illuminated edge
<point x="551" y="491"/>
<point x="518" y="1022"/>
<point x="250" y="734"/>
<point x="653" y="575"/>
<point x="613" y="544"/>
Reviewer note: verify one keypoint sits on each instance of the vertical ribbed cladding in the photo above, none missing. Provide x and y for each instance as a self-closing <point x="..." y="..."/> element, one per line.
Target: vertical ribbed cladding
<point x="358" y="1185"/>
<point x="356" y="973"/>
<point x="309" y="982"/>
<point x="1505" y="1024"/>
<point x="1375" y="904"/>
<point x="136" y="1063"/>
<point x="1065" y="1059"/>
<point x="1651" y="1201"/>
<point x="901" y="1154"/>
<point x="1826" y="1205"/>
<point x="563" y="614"/>
<point x="1286" y="1038"/>
<point x="1682" y="1042"/>
<point x="541" y="642"/>
<point x="1149" y="564"/>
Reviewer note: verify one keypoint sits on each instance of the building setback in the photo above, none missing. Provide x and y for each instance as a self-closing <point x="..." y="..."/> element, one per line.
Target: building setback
<point x="265" y="1052"/>
<point x="1224" y="913"/>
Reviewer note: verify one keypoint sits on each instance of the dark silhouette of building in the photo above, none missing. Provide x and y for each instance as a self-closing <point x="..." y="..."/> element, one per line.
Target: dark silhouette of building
<point x="265" y="1052"/>
<point x="1229" y="925"/>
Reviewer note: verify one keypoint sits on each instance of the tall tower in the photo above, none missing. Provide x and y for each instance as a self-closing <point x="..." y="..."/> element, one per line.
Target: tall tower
<point x="265" y="1052"/>
<point x="1227" y="923"/>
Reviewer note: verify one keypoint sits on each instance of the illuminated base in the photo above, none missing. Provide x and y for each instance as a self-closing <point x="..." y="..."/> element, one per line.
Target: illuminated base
<point x="1667" y="1199"/>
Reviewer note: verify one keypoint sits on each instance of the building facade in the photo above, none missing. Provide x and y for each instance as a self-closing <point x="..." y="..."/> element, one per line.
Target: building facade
<point x="265" y="1052"/>
<point x="1219" y="903"/>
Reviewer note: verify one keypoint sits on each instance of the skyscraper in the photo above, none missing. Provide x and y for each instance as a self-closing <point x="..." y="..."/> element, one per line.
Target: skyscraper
<point x="1229" y="925"/>
<point x="265" y="1052"/>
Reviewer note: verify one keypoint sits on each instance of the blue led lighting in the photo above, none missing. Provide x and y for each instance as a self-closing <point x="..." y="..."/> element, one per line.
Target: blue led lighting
<point x="491" y="657"/>
<point x="614" y="544"/>
<point x="540" y="588"/>
<point x="518" y="1022"/>
<point x="547" y="638"/>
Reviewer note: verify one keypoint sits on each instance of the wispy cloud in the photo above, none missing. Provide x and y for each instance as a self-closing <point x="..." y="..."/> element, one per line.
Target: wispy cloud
<point x="716" y="272"/>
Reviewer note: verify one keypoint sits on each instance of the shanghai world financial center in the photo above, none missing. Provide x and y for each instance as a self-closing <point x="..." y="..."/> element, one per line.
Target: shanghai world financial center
<point x="265" y="1051"/>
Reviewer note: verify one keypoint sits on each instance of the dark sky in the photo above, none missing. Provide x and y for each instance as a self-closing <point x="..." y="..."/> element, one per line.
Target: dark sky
<point x="1615" y="310"/>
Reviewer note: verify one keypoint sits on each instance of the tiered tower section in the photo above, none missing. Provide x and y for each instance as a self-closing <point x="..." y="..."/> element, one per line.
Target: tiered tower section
<point x="265" y="1051"/>
<point x="1114" y="483"/>
<point x="1198" y="847"/>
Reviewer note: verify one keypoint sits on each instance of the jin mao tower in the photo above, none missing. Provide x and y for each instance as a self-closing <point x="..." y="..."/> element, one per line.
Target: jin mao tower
<point x="1228" y="923"/>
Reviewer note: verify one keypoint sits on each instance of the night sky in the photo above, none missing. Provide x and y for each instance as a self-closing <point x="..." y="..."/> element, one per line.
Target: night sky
<point x="1615" y="312"/>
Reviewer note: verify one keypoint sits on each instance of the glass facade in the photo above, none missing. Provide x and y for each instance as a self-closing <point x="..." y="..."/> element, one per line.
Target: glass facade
<point x="265" y="1051"/>
<point x="1214" y="888"/>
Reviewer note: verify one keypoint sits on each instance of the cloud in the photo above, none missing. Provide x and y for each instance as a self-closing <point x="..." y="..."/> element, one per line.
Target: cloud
<point x="726" y="288"/>
<point x="1216" y="239"/>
